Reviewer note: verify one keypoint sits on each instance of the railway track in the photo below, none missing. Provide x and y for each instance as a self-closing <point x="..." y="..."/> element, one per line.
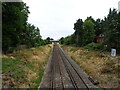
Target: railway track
<point x="62" y="72"/>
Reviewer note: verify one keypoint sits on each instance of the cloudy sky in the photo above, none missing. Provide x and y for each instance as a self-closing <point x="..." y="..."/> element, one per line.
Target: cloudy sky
<point x="56" y="18"/>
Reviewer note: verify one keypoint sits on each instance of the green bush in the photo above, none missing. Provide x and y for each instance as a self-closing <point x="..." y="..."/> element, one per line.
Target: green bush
<point x="94" y="47"/>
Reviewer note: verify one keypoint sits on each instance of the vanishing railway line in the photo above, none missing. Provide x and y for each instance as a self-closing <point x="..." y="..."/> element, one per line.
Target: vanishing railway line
<point x="62" y="72"/>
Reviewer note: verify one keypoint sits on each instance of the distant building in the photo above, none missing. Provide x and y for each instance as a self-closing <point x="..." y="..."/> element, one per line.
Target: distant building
<point x="100" y="38"/>
<point x="119" y="6"/>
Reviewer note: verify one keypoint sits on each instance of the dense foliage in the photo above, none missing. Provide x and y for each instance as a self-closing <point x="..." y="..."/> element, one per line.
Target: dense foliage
<point x="88" y="31"/>
<point x="16" y="30"/>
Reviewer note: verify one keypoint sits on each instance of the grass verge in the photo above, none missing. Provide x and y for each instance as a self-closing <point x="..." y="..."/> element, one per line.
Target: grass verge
<point x="25" y="68"/>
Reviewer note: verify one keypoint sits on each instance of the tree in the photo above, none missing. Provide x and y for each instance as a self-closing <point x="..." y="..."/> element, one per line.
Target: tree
<point x="78" y="27"/>
<point x="89" y="31"/>
<point x="32" y="36"/>
<point x="14" y="18"/>
<point x="48" y="40"/>
<point x="113" y="30"/>
<point x="16" y="29"/>
<point x="61" y="40"/>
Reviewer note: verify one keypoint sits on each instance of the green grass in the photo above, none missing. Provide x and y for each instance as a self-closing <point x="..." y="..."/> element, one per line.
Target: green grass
<point x="38" y="80"/>
<point x="0" y="65"/>
<point x="30" y="66"/>
<point x="15" y="67"/>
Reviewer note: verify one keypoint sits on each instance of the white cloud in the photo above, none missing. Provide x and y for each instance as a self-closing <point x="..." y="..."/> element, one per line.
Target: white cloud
<point x="56" y="18"/>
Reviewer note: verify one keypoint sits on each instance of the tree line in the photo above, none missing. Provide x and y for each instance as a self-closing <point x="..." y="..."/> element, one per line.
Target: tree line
<point x="15" y="28"/>
<point x="88" y="31"/>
